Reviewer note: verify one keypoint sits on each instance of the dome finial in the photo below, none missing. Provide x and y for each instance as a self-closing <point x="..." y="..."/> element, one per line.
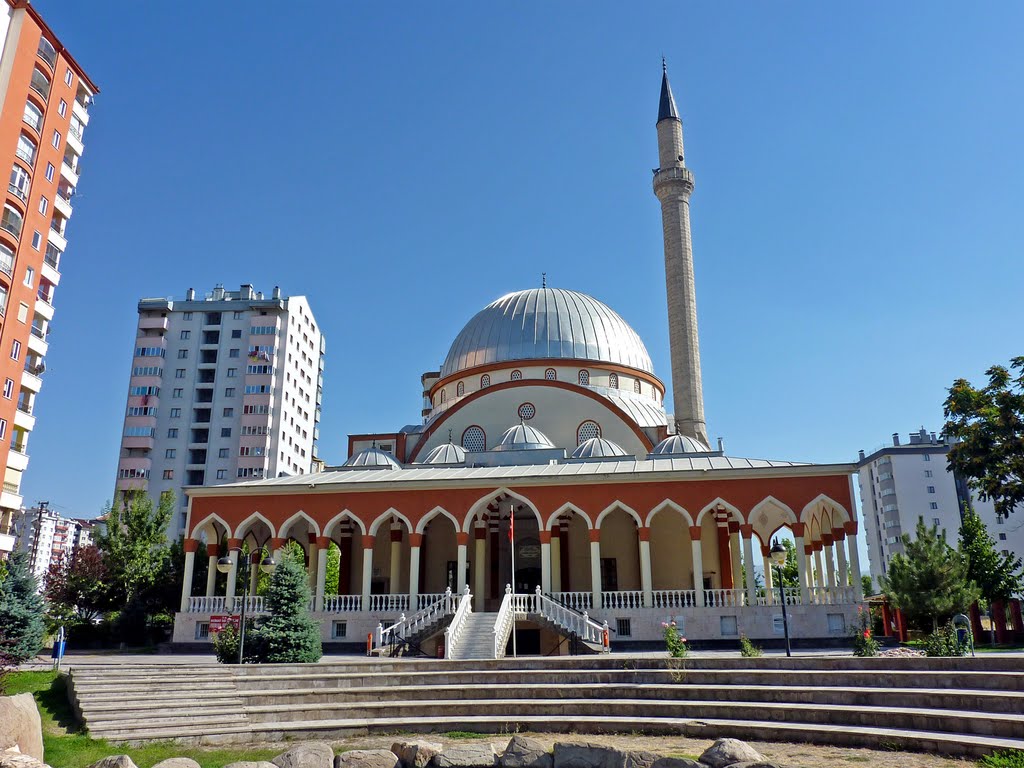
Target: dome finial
<point x="449" y="435"/>
<point x="543" y="279"/>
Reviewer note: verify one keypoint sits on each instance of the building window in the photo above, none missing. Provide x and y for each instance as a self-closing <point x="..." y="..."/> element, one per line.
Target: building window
<point x="1002" y="537"/>
<point x="225" y="431"/>
<point x="586" y="431"/>
<point x="187" y="316"/>
<point x="474" y="439"/>
<point x="339" y="629"/>
<point x="927" y="473"/>
<point x="33" y="116"/>
<point x="485" y="381"/>
<point x="49" y="171"/>
<point x="443" y="397"/>
<point x="584" y="378"/>
<point x="517" y="375"/>
<point x="927" y="457"/>
<point x="236" y="333"/>
<point x="527" y="411"/>
<point x="550" y="375"/>
<point x="6" y="259"/>
<point x="168" y="474"/>
<point x="170" y="453"/>
<point x="931" y="489"/>
<point x="935" y="522"/>
<point x="15" y="350"/>
<point x="177" y="392"/>
<point x="11" y="221"/>
<point x="182" y="354"/>
<point x="175" y="413"/>
<point x="20" y="181"/>
<point x="229" y="412"/>
<point x="172" y="433"/>
<point x="460" y="389"/>
<point x="613" y="381"/>
<point x="30" y="276"/>
<point x="623" y="628"/>
<point x="223" y="453"/>
<point x="44" y="205"/>
<point x="3" y="428"/>
<point x="233" y="352"/>
<point x="229" y="392"/>
<point x="232" y="373"/>
<point x="933" y="505"/>
<point x="26" y="149"/>
<point x="179" y="373"/>
<point x="37" y="239"/>
<point x="636" y="386"/>
<point x="185" y="335"/>
<point x="221" y="474"/>
<point x="68" y="77"/>
<point x="62" y="108"/>
<point x="9" y="388"/>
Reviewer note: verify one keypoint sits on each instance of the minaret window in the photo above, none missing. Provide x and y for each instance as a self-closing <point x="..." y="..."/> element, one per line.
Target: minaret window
<point x="517" y="375"/>
<point x="460" y="389"/>
<point x="485" y="381"/>
<point x="444" y="396"/>
<point x="586" y="431"/>
<point x="474" y="439"/>
<point x="584" y="378"/>
<point x="550" y="374"/>
<point x="613" y="381"/>
<point x="636" y="386"/>
<point x="527" y="411"/>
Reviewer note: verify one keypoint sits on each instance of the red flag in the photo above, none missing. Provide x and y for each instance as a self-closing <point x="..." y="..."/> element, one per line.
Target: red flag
<point x="512" y="527"/>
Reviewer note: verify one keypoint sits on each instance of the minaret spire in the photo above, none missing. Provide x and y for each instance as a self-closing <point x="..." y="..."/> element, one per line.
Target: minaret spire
<point x="673" y="185"/>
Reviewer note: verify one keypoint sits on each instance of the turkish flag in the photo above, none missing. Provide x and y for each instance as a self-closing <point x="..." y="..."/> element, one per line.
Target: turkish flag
<point x="512" y="527"/>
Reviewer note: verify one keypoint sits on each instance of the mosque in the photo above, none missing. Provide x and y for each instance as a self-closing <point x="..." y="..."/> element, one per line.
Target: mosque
<point x="547" y="418"/>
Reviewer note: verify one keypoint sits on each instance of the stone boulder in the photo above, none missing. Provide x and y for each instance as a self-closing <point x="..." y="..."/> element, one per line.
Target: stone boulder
<point x="115" y="761"/>
<point x="313" y="754"/>
<point x="367" y="758"/>
<point x="178" y="762"/>
<point x="676" y="762"/>
<point x="523" y="752"/>
<point x="20" y="725"/>
<point x="467" y="756"/>
<point x="13" y="758"/>
<point x="759" y="764"/>
<point x="631" y="759"/>
<point x="251" y="764"/>
<point x="583" y="754"/>
<point x="415" y="754"/>
<point x="727" y="752"/>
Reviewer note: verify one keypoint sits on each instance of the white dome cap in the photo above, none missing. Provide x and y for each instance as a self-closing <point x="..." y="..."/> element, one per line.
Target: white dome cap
<point x="545" y="323"/>
<point x="597" y="448"/>
<point x="679" y="445"/>
<point x="372" y="458"/>
<point x="449" y="453"/>
<point x="523" y="438"/>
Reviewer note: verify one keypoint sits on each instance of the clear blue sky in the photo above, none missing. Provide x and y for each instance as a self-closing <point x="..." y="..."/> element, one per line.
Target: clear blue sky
<point x="856" y="221"/>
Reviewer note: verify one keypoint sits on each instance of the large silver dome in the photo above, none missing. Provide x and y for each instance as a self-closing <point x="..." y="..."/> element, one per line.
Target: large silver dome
<point x="546" y="323"/>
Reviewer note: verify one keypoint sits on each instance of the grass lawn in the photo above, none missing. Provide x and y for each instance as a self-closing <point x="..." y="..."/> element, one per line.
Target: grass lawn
<point x="67" y="745"/>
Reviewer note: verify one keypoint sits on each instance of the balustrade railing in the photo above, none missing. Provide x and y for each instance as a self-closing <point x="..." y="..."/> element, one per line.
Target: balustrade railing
<point x="203" y="604"/>
<point x="389" y="603"/>
<point x="578" y="601"/>
<point x="675" y="598"/>
<point x="504" y="623"/>
<point x="422" y="601"/>
<point x="453" y="632"/>
<point x="623" y="599"/>
<point x="342" y="603"/>
<point x="406" y="626"/>
<point x="578" y="623"/>
<point x="723" y="598"/>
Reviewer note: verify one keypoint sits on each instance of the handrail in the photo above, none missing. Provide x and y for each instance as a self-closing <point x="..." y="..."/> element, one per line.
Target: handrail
<point x="580" y="624"/>
<point x="453" y="631"/>
<point x="504" y="623"/>
<point x="410" y="625"/>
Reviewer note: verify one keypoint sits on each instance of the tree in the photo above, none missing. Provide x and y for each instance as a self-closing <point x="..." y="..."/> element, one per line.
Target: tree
<point x="133" y="541"/>
<point x="21" y="611"/>
<point x="928" y="581"/>
<point x="333" y="569"/>
<point x="866" y="586"/>
<point x="790" y="569"/>
<point x="77" y="589"/>
<point x="288" y="635"/>
<point x="987" y="426"/>
<point x="997" y="574"/>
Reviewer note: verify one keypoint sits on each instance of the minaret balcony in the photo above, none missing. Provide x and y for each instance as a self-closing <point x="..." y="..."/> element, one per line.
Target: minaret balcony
<point x="665" y="176"/>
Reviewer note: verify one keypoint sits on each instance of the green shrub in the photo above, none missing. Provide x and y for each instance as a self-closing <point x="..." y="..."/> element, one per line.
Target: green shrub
<point x="748" y="649"/>
<point x="1008" y="758"/>
<point x="944" y="642"/>
<point x="22" y="625"/>
<point x="864" y="642"/>
<point x="288" y="635"/>
<point x="674" y="642"/>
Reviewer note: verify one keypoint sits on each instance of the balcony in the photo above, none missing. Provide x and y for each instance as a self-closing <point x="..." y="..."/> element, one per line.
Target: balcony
<point x="63" y="205"/>
<point x="18" y="192"/>
<point x="44" y="307"/>
<point x="49" y="272"/>
<point x="40" y="84"/>
<point x="75" y="141"/>
<point x="10" y="497"/>
<point x="57" y="238"/>
<point x="11" y="221"/>
<point x="69" y="174"/>
<point x="17" y="460"/>
<point x="24" y="419"/>
<point x="30" y="381"/>
<point x="153" y="323"/>
<point x="80" y="110"/>
<point x="37" y="343"/>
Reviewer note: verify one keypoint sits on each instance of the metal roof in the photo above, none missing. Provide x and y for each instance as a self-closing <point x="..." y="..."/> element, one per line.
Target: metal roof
<point x="523" y="437"/>
<point x="597" y="447"/>
<point x="667" y="104"/>
<point x="543" y="323"/>
<point x="679" y="445"/>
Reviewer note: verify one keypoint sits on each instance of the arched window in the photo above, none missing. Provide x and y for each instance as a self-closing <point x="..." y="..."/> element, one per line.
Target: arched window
<point x="485" y="380"/>
<point x="26" y="149"/>
<point x="517" y="375"/>
<point x="444" y="396"/>
<point x="527" y="411"/>
<point x="587" y="430"/>
<point x="474" y="439"/>
<point x="33" y="115"/>
<point x="550" y="374"/>
<point x="460" y="389"/>
<point x="613" y="381"/>
<point x="584" y="378"/>
<point x="636" y="386"/>
<point x="11" y="220"/>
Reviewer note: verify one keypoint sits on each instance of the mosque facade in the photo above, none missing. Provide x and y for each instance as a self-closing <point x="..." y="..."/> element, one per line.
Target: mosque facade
<point x="547" y="417"/>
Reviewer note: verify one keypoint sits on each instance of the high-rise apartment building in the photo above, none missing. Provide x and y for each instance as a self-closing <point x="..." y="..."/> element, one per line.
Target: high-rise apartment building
<point x="223" y="387"/>
<point x="50" y="539"/>
<point x="902" y="482"/>
<point x="45" y="97"/>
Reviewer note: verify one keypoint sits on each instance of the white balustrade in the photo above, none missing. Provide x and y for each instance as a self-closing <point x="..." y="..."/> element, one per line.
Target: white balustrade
<point x="504" y="623"/>
<point x="342" y="603"/>
<point x="389" y="603"/>
<point x="204" y="604"/>
<point x="624" y="599"/>
<point x="578" y="601"/>
<point x="422" y="601"/>
<point x="723" y="598"/>
<point x="675" y="598"/>
<point x="408" y="626"/>
<point x="454" y="631"/>
<point x="578" y="623"/>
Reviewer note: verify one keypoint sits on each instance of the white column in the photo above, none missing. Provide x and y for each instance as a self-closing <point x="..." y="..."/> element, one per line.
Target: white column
<point x="211" y="575"/>
<point x="819" y="566"/>
<point x="858" y="590"/>
<point x="254" y="574"/>
<point x="321" y="578"/>
<point x="646" y="579"/>
<point x="461" y="566"/>
<point x="229" y="603"/>
<point x="595" y="573"/>
<point x="698" y="570"/>
<point x="844" y="574"/>
<point x="769" y="581"/>
<point x="414" y="573"/>
<point x="396" y="558"/>
<point x="545" y="566"/>
<point x="801" y="568"/>
<point x="830" y="567"/>
<point x="556" y="561"/>
<point x="748" y="564"/>
<point x="479" y="569"/>
<point x="311" y="564"/>
<point x="186" y="584"/>
<point x="737" y="565"/>
<point x="367" y="571"/>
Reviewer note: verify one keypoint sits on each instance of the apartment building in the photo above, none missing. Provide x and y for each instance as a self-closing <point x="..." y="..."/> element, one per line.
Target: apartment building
<point x="44" y="108"/>
<point x="223" y="387"/>
<point x="50" y="538"/>
<point x="904" y="481"/>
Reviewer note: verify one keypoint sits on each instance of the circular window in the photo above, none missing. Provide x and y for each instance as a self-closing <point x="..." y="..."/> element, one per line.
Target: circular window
<point x="587" y="430"/>
<point x="636" y="386"/>
<point x="527" y="411"/>
<point x="474" y="439"/>
<point x="550" y="375"/>
<point x="517" y="375"/>
<point x="585" y="378"/>
<point x="485" y="381"/>
<point x="460" y="389"/>
<point x="613" y="381"/>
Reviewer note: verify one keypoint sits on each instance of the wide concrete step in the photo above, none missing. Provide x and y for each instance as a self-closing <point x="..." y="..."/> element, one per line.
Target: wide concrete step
<point x="99" y="724"/>
<point x="953" y="743"/>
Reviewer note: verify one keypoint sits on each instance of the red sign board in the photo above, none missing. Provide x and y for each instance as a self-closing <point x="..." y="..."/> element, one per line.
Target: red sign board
<point x="220" y="621"/>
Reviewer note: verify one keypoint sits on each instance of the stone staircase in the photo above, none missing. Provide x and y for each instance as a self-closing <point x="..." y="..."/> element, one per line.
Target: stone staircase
<point x="477" y="639"/>
<point x="964" y="707"/>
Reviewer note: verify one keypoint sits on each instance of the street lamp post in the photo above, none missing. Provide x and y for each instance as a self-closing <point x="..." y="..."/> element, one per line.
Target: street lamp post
<point x="778" y="555"/>
<point x="224" y="565"/>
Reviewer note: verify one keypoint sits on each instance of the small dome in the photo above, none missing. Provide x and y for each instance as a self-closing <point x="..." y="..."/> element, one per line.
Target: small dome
<point x="448" y="453"/>
<point x="597" y="448"/>
<point x="372" y="458"/>
<point x="679" y="445"/>
<point x="523" y="438"/>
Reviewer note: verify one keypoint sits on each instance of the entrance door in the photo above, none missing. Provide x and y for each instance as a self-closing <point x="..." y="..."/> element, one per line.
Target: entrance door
<point x="609" y="575"/>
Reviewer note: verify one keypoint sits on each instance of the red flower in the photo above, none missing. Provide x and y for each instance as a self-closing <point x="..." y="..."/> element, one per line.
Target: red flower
<point x="867" y="634"/>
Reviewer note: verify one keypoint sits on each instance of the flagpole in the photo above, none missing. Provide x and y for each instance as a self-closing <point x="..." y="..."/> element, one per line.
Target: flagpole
<point x="512" y="540"/>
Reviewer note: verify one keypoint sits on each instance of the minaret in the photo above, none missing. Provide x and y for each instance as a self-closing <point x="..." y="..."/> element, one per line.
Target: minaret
<point x="673" y="184"/>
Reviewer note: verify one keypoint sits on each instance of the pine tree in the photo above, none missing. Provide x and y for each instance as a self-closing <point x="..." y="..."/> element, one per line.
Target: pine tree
<point x="22" y="625"/>
<point x="288" y="635"/>
<point x="997" y="574"/>
<point x="928" y="581"/>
